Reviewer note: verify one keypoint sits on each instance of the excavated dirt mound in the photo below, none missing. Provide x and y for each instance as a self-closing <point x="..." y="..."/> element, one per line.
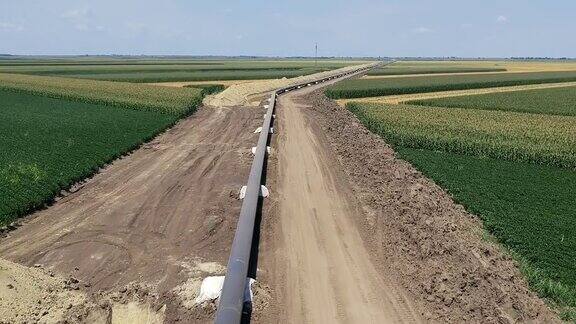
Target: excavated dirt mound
<point x="38" y="295"/>
<point x="32" y="294"/>
<point x="415" y="231"/>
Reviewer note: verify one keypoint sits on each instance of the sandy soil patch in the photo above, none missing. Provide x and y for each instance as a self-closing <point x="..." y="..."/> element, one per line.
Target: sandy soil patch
<point x="38" y="295"/>
<point x="33" y="294"/>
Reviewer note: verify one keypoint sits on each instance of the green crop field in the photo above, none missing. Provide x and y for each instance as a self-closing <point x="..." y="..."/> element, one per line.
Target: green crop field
<point x="434" y="67"/>
<point x="397" y="70"/>
<point x="509" y="158"/>
<point x="55" y="131"/>
<point x="514" y="136"/>
<point x="529" y="208"/>
<point x="135" y="96"/>
<point x="207" y="89"/>
<point x="163" y="70"/>
<point x="48" y="144"/>
<point x="358" y="88"/>
<point x="554" y="101"/>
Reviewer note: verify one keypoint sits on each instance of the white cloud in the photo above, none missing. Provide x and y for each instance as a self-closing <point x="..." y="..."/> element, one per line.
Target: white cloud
<point x="422" y="30"/>
<point x="82" y="20"/>
<point x="77" y="14"/>
<point x="502" y="19"/>
<point x="6" y="26"/>
<point x="136" y="27"/>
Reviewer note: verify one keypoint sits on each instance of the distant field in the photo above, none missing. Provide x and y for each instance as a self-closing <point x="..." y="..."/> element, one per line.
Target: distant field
<point x="358" y="88"/>
<point x="554" y="101"/>
<point x="118" y="94"/>
<point x="394" y="70"/>
<point x="171" y="70"/>
<point x="48" y="144"/>
<point x="434" y="67"/>
<point x="467" y="66"/>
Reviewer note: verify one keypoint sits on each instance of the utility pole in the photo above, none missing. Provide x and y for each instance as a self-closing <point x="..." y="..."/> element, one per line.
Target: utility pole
<point x="316" y="55"/>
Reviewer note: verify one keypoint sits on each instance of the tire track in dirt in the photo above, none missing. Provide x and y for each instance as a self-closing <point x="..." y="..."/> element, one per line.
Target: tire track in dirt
<point x="414" y="230"/>
<point x="148" y="215"/>
<point x="323" y="272"/>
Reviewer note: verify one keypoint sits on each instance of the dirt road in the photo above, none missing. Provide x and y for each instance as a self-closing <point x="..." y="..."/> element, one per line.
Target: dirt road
<point x="151" y="217"/>
<point x="323" y="269"/>
<point x="417" y="237"/>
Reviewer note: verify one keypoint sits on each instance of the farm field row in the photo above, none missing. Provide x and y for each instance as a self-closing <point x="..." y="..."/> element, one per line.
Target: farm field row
<point x="359" y="88"/>
<point x="527" y="207"/>
<point x="553" y="101"/>
<point x="514" y="136"/>
<point x="424" y="67"/>
<point x="172" y="76"/>
<point x="509" y="158"/>
<point x="135" y="96"/>
<point x="397" y="99"/>
<point x="171" y="71"/>
<point x="436" y="67"/>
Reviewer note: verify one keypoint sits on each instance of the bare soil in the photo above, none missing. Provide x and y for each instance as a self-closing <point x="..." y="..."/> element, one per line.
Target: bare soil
<point x="152" y="217"/>
<point x="38" y="295"/>
<point x="417" y="239"/>
<point x="317" y="263"/>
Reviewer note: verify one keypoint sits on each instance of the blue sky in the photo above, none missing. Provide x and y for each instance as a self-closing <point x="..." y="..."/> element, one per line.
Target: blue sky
<point x="286" y="28"/>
